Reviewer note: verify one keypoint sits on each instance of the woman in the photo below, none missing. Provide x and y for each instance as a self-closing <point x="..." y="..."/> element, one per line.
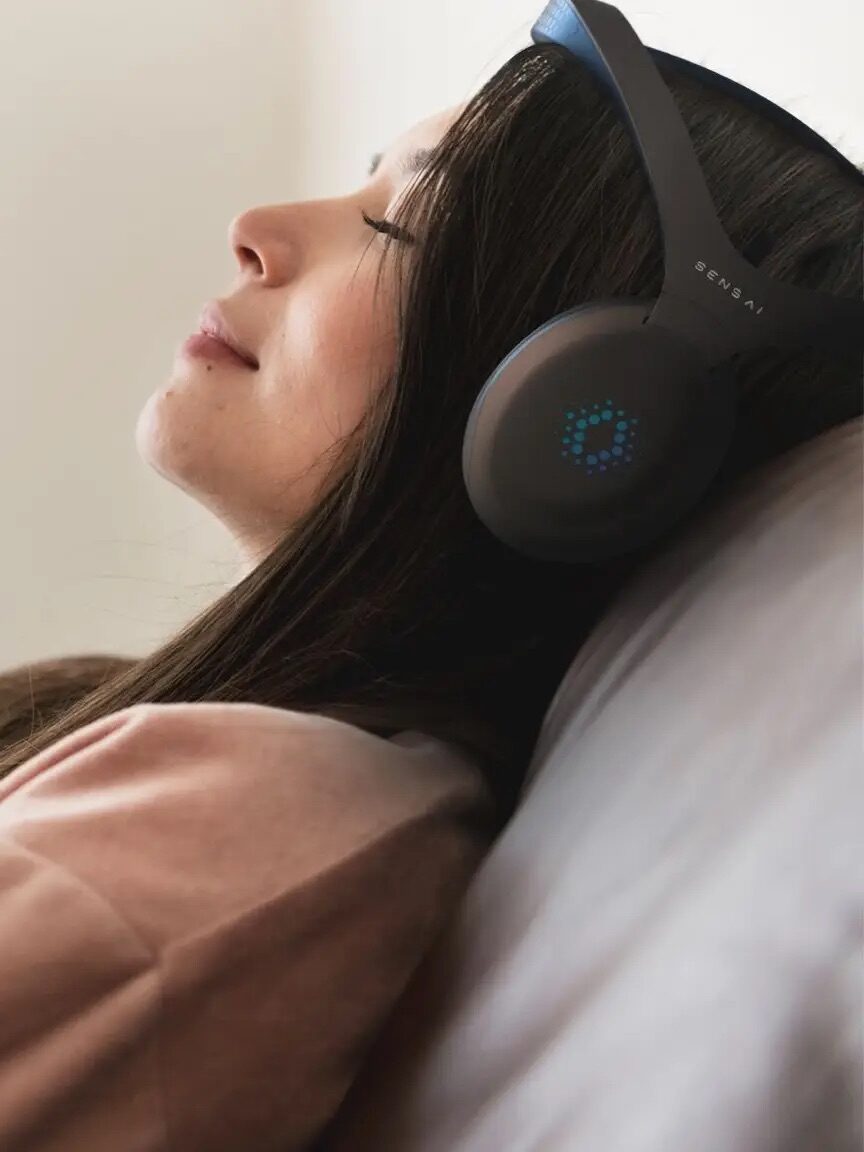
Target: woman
<point x="372" y="592"/>
<point x="372" y="596"/>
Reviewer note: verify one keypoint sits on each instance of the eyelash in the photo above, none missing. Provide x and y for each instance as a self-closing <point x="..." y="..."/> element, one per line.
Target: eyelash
<point x="392" y="229"/>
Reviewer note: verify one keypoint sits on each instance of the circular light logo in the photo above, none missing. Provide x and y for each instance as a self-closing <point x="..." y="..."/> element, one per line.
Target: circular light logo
<point x="599" y="437"/>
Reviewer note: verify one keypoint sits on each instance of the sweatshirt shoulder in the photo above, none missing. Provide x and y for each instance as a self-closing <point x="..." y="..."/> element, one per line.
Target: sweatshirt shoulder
<point x="218" y="790"/>
<point x="251" y="738"/>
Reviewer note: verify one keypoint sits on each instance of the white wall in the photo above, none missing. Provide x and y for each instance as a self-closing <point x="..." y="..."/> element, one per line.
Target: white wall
<point x="131" y="135"/>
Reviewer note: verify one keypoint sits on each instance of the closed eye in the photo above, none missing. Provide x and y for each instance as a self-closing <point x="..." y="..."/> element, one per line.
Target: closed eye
<point x="391" y="229"/>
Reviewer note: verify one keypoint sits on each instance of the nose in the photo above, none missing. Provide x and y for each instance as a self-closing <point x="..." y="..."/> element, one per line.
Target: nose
<point x="261" y="239"/>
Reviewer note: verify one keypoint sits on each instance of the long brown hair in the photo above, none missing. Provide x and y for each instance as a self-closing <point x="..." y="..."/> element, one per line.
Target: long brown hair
<point x="390" y="606"/>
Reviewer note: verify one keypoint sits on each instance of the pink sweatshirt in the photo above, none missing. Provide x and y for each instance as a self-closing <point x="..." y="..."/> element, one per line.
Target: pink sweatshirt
<point x="207" y="911"/>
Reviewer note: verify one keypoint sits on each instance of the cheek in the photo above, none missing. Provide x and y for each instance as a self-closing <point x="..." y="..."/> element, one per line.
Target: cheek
<point x="355" y="330"/>
<point x="338" y="345"/>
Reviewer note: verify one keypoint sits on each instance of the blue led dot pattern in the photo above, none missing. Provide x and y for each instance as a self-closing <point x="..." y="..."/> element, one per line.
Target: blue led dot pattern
<point x="584" y="428"/>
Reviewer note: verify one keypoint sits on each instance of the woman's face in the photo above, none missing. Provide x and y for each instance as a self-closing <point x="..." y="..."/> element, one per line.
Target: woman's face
<point x="251" y="444"/>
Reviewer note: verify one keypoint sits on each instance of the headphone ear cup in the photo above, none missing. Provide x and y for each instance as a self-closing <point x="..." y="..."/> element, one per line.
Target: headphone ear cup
<point x="595" y="434"/>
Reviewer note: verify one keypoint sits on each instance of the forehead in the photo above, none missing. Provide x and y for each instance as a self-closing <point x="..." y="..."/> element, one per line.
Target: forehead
<point x="425" y="133"/>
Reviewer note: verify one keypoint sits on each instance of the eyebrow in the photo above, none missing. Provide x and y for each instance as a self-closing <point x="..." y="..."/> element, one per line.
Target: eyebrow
<point x="410" y="164"/>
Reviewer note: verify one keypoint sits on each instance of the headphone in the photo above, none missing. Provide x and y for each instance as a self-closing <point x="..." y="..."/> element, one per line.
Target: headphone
<point x="605" y="425"/>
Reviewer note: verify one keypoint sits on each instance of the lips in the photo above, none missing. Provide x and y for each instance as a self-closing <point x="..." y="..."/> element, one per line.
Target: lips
<point x="214" y="323"/>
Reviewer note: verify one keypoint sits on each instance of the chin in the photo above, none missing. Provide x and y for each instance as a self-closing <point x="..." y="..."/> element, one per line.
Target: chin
<point x="163" y="447"/>
<point x="149" y="436"/>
